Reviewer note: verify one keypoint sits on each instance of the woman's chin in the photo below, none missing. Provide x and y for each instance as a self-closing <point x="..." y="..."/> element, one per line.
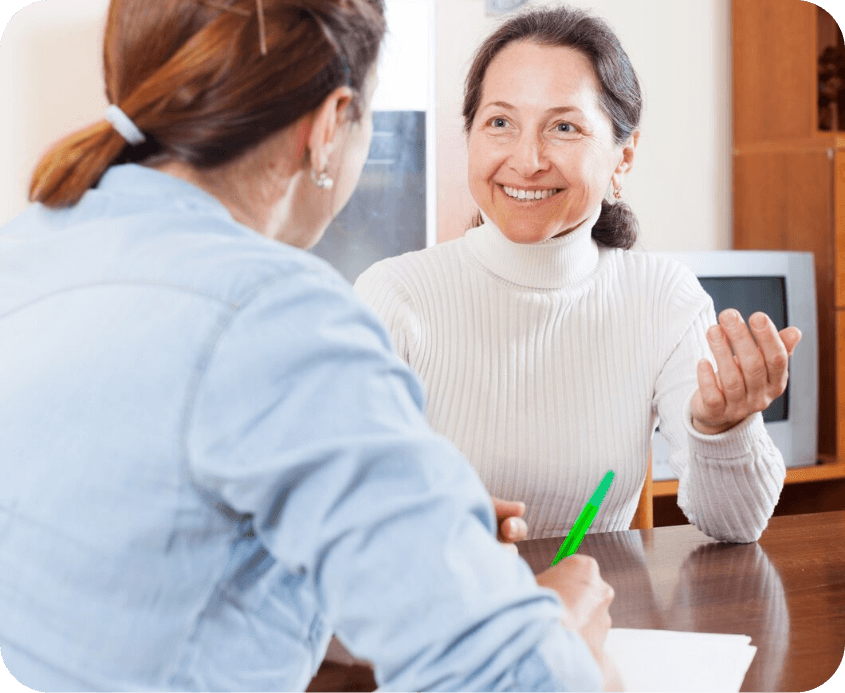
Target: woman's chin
<point x="528" y="235"/>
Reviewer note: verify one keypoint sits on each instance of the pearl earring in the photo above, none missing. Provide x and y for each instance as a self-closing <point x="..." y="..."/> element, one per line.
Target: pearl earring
<point x="322" y="181"/>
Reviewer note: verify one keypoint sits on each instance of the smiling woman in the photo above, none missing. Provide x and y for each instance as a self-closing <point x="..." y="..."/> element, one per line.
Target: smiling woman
<point x="537" y="167"/>
<point x="597" y="75"/>
<point x="549" y="350"/>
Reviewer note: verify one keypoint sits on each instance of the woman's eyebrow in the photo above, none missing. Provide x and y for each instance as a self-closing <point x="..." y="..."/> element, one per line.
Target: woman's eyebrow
<point x="557" y="110"/>
<point x="499" y="104"/>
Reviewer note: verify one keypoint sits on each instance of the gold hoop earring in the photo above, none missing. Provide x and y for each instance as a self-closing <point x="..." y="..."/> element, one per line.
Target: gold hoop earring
<point x="322" y="180"/>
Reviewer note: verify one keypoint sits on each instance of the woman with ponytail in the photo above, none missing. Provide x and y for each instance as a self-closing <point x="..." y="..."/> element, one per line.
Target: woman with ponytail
<point x="211" y="458"/>
<point x="549" y="350"/>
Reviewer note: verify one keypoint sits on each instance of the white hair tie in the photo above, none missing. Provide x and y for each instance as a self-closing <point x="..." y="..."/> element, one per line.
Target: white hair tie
<point x="124" y="125"/>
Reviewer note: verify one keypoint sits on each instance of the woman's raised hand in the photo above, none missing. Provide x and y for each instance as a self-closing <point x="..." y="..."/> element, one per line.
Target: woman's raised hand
<point x="749" y="378"/>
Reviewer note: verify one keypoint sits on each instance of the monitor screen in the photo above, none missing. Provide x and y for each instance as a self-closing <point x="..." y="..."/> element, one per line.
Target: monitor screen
<point x="749" y="295"/>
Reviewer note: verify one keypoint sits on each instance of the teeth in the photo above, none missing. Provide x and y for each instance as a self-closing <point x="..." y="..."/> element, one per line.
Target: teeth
<point x="529" y="194"/>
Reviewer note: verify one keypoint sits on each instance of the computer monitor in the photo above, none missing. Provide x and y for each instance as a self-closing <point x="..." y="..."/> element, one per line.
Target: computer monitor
<point x="782" y="285"/>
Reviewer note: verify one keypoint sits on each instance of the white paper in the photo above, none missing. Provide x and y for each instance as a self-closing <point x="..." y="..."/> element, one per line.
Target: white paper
<point x="668" y="660"/>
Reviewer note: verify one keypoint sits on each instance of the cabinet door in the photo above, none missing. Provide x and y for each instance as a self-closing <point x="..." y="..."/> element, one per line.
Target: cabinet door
<point x="839" y="223"/>
<point x="840" y="379"/>
<point x="774" y="92"/>
<point x="782" y="201"/>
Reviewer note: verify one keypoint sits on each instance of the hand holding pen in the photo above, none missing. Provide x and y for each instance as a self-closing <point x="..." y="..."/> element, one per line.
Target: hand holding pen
<point x="585" y="595"/>
<point x="576" y="579"/>
<point x="586" y="601"/>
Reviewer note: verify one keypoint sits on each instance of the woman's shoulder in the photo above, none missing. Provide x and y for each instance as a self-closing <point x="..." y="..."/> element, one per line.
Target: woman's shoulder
<point x="412" y="269"/>
<point x="662" y="289"/>
<point x="168" y="246"/>
<point x="236" y="263"/>
<point x="656" y="265"/>
<point x="418" y="260"/>
<point x="660" y="274"/>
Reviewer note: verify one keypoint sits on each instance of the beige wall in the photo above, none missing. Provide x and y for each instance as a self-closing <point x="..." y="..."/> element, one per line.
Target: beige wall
<point x="680" y="187"/>
<point x="50" y="69"/>
<point x="50" y="83"/>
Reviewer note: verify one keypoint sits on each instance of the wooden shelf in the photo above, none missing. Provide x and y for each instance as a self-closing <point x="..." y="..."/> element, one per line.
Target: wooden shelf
<point x="817" y="142"/>
<point x="827" y="468"/>
<point x="666" y="487"/>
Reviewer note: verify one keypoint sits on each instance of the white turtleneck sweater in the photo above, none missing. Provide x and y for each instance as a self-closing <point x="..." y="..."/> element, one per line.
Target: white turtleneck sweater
<point x="549" y="364"/>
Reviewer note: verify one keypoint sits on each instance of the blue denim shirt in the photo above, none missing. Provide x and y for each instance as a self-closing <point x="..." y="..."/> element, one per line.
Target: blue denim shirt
<point x="211" y="460"/>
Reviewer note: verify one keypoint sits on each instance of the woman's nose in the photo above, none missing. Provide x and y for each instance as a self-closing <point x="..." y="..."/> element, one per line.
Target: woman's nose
<point x="528" y="156"/>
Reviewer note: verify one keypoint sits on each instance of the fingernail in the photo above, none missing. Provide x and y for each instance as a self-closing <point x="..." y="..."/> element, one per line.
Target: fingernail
<point x="758" y="321"/>
<point x="732" y="317"/>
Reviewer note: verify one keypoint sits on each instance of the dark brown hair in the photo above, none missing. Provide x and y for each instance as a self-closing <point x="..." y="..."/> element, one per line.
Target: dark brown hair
<point x="619" y="90"/>
<point x="192" y="77"/>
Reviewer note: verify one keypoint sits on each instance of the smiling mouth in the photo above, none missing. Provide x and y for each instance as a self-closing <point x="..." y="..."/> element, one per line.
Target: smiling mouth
<point x="528" y="195"/>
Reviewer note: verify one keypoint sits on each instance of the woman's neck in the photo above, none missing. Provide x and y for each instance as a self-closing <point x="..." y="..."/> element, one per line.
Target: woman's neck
<point x="555" y="263"/>
<point x="252" y="186"/>
<point x="241" y="194"/>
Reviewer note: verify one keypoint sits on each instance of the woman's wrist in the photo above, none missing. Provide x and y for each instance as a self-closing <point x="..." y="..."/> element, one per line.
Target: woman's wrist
<point x="710" y="429"/>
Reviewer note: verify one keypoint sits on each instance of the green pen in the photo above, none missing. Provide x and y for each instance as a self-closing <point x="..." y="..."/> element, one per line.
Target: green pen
<point x="585" y="519"/>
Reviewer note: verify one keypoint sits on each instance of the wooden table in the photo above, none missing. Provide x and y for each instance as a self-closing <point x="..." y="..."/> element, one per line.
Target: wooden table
<point x="786" y="591"/>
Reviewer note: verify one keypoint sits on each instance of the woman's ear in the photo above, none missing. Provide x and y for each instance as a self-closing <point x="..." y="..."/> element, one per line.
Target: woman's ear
<point x="627" y="160"/>
<point x="329" y="117"/>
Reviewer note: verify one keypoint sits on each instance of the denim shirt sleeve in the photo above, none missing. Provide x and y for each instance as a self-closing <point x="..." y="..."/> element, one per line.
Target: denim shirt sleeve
<point x="305" y="421"/>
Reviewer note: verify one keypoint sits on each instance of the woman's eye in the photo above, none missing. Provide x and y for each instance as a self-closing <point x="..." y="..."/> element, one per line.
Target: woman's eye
<point x="565" y="127"/>
<point x="498" y="122"/>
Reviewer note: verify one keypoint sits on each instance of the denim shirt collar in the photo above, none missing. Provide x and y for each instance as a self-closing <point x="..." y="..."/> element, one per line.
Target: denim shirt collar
<point x="134" y="180"/>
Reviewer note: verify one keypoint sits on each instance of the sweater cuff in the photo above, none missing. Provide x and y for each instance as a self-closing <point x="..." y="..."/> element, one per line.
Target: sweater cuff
<point x="731" y="445"/>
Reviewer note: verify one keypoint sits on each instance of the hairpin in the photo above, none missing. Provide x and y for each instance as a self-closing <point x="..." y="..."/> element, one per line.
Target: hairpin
<point x="261" y="37"/>
<point x="244" y="13"/>
<point x="225" y="8"/>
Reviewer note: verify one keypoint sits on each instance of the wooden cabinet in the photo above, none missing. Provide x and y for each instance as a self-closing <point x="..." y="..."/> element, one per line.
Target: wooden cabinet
<point x="789" y="194"/>
<point x="789" y="177"/>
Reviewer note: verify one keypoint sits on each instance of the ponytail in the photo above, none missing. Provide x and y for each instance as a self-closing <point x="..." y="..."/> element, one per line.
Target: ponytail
<point x="205" y="82"/>
<point x="476" y="221"/>
<point x="74" y="165"/>
<point x="617" y="227"/>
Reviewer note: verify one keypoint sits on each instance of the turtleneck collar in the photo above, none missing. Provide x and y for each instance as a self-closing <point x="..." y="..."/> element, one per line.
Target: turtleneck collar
<point x="555" y="263"/>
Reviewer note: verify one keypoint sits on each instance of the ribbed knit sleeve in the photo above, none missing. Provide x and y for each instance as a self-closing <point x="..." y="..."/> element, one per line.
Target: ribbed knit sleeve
<point x="728" y="483"/>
